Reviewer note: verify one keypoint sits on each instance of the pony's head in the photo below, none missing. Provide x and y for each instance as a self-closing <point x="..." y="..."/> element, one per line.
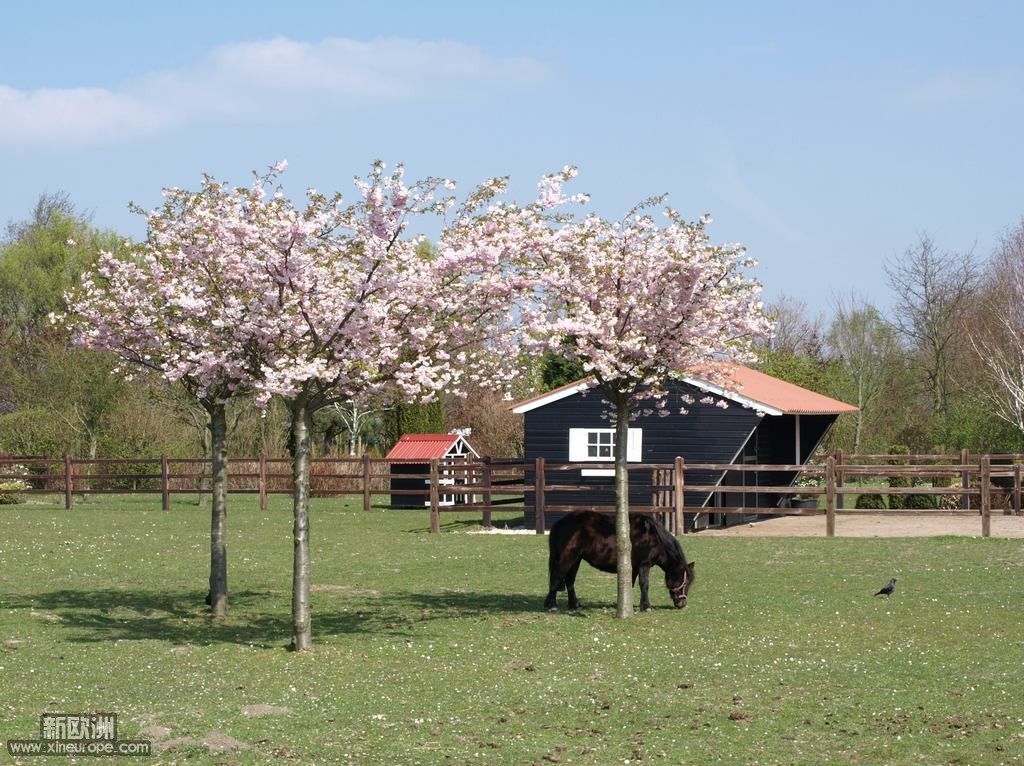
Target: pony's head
<point x="678" y="582"/>
<point x="678" y="573"/>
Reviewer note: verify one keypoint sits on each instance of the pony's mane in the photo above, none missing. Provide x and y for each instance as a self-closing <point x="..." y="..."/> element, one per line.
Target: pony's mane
<point x="673" y="549"/>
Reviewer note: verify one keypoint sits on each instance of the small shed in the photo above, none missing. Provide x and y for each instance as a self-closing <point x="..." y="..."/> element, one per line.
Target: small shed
<point x="757" y="419"/>
<point x="410" y="459"/>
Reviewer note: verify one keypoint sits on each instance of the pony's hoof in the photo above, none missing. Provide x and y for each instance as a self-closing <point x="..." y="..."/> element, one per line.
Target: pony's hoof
<point x="647" y="608"/>
<point x="551" y="608"/>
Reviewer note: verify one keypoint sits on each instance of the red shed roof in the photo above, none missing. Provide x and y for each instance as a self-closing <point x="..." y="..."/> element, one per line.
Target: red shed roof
<point x="418" y="448"/>
<point x="749" y="387"/>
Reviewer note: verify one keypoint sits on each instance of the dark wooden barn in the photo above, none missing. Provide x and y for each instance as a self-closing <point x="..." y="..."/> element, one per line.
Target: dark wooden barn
<point x="764" y="421"/>
<point x="412" y="455"/>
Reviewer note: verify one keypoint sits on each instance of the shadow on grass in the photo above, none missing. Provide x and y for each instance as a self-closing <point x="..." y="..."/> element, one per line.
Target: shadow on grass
<point x="449" y="524"/>
<point x="255" y="618"/>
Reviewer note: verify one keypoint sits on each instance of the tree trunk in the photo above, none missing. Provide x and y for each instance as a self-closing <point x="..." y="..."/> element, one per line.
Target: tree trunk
<point x="207" y="446"/>
<point x="93" y="452"/>
<point x="623" y="544"/>
<point x="219" y="512"/>
<point x="302" y="635"/>
<point x="353" y="431"/>
<point x="860" y="419"/>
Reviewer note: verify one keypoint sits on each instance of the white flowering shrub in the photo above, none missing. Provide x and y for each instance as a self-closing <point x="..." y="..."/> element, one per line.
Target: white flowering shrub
<point x="11" y="484"/>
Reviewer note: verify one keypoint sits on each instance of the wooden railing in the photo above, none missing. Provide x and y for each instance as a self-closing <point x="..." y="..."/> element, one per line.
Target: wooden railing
<point x="166" y="476"/>
<point x="680" y="492"/>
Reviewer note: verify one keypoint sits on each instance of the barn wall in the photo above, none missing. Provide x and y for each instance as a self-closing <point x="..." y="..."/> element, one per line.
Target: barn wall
<point x="411" y="501"/>
<point x="706" y="434"/>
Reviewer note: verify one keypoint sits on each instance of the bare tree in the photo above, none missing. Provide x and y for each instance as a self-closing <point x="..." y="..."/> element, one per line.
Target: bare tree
<point x="496" y="430"/>
<point x="795" y="331"/>
<point x="356" y="417"/>
<point x="49" y="206"/>
<point x="933" y="290"/>
<point x="865" y="345"/>
<point x="996" y="330"/>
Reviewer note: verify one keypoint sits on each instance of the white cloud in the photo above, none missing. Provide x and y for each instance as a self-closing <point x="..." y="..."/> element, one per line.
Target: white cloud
<point x="82" y="114"/>
<point x="384" y="68"/>
<point x="269" y="78"/>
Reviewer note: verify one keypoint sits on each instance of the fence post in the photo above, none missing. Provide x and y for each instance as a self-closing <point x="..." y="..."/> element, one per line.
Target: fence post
<point x="68" y="500"/>
<point x="435" y="500"/>
<point x="487" y="492"/>
<point x="538" y="495"/>
<point x="830" y="496"/>
<point x="654" y="492"/>
<point x="165" y="483"/>
<point x="965" y="480"/>
<point x="261" y="484"/>
<point x="1016" y="489"/>
<point x="679" y="502"/>
<point x="840" y="479"/>
<point x="366" y="481"/>
<point x="986" y="497"/>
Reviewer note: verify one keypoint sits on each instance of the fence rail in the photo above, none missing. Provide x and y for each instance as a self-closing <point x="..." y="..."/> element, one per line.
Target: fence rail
<point x="973" y="484"/>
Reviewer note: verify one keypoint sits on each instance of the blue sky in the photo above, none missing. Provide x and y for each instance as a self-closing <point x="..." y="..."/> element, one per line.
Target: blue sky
<point x="823" y="136"/>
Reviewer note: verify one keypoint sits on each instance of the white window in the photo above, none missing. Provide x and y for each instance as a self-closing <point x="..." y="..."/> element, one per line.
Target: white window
<point x="600" y="444"/>
<point x="597" y="445"/>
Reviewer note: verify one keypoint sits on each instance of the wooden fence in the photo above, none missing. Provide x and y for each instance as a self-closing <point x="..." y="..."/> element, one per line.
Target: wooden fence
<point x="963" y="484"/>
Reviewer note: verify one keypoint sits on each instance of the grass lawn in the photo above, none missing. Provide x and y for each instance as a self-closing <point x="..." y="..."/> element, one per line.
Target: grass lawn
<point x="434" y="649"/>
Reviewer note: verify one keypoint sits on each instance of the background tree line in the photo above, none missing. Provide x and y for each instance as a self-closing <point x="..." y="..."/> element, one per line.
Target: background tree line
<point x="939" y="369"/>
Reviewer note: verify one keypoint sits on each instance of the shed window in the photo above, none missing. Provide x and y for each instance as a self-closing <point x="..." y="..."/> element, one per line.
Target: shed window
<point x="598" y="445"/>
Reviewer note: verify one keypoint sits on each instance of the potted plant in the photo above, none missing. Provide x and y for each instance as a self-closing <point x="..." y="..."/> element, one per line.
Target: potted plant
<point x="808" y="500"/>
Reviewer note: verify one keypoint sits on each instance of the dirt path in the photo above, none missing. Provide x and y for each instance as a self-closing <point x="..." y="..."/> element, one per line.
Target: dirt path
<point x="893" y="524"/>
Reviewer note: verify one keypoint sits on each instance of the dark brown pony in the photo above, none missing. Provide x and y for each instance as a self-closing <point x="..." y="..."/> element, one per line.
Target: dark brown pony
<point x="589" y="536"/>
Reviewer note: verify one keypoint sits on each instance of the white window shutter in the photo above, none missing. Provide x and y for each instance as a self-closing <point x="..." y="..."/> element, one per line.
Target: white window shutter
<point x="634" y="445"/>
<point x="577" y="444"/>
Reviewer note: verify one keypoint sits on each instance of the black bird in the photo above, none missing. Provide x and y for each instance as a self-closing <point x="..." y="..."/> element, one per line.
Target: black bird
<point x="888" y="589"/>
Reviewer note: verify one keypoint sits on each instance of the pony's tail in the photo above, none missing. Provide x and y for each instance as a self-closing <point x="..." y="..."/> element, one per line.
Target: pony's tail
<point x="555" y="580"/>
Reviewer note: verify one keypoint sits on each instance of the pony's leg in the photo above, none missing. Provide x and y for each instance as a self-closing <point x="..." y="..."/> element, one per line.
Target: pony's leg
<point x="570" y="585"/>
<point x="556" y="569"/>
<point x="551" y="602"/>
<point x="556" y="583"/>
<point x="645" y="581"/>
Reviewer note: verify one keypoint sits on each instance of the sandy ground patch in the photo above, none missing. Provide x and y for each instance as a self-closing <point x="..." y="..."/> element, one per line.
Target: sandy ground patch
<point x="502" y="531"/>
<point x="892" y="524"/>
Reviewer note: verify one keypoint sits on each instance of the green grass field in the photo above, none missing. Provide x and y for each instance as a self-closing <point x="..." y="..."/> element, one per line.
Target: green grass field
<point x="433" y="649"/>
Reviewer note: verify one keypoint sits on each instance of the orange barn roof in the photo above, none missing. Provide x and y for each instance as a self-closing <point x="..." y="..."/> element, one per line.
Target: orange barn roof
<point x="747" y="387"/>
<point x="788" y="398"/>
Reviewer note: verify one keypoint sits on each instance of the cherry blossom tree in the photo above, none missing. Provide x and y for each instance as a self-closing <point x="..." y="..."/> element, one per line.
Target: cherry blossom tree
<point x="357" y="310"/>
<point x="240" y="290"/>
<point x="639" y="305"/>
<point x="181" y="305"/>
